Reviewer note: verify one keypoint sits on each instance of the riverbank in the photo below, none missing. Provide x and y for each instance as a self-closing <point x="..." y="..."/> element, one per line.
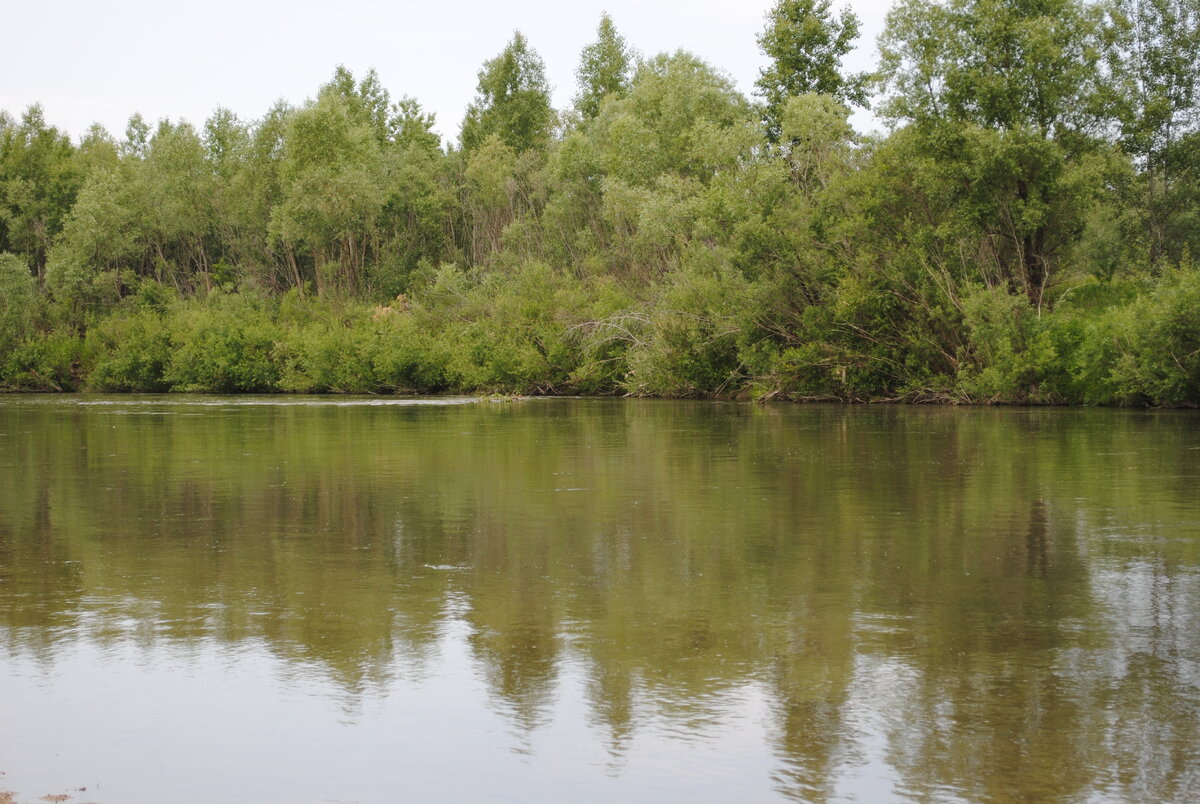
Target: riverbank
<point x="536" y="331"/>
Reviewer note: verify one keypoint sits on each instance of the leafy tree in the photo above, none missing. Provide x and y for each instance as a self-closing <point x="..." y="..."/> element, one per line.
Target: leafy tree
<point x="254" y="191"/>
<point x="331" y="190"/>
<point x="491" y="188"/>
<point x="99" y="237"/>
<point x="419" y="203"/>
<point x="97" y="149"/>
<point x="410" y="126"/>
<point x="1153" y="58"/>
<point x="39" y="178"/>
<point x="226" y="141"/>
<point x="806" y="43"/>
<point x="18" y="295"/>
<point x="663" y="124"/>
<point x="367" y="101"/>
<point x="604" y="68"/>
<point x="1003" y="101"/>
<point x="1002" y="64"/>
<point x="174" y="191"/>
<point x="512" y="101"/>
<point x="137" y="137"/>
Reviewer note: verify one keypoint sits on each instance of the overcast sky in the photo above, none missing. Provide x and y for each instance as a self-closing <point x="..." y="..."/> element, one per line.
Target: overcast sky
<point x="100" y="62"/>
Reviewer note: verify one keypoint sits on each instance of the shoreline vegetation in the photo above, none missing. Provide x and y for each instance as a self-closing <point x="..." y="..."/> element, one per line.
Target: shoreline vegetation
<point x="1023" y="231"/>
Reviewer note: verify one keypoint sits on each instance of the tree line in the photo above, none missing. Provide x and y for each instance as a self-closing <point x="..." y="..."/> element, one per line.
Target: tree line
<point x="1022" y="231"/>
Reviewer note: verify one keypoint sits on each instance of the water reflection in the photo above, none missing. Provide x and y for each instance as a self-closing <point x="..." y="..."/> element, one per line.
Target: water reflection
<point x="821" y="601"/>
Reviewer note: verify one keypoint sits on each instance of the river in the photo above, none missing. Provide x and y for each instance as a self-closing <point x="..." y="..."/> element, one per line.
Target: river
<point x="332" y="599"/>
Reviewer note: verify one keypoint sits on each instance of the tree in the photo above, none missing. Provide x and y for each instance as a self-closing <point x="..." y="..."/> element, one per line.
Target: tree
<point x="137" y="137"/>
<point x="806" y="43"/>
<point x="173" y="191"/>
<point x="662" y="124"/>
<point x="97" y="149"/>
<point x="512" y="101"/>
<point x="1000" y="64"/>
<point x="604" y="68"/>
<point x="226" y="140"/>
<point x="39" y="178"/>
<point x="410" y="126"/>
<point x="1153" y="60"/>
<point x="331" y="175"/>
<point x="18" y="294"/>
<point x="368" y="102"/>
<point x="99" y="237"/>
<point x="420" y="199"/>
<point x="657" y="148"/>
<point x="1003" y="105"/>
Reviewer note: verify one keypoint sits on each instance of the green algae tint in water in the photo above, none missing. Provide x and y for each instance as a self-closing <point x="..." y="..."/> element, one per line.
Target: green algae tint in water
<point x="306" y="600"/>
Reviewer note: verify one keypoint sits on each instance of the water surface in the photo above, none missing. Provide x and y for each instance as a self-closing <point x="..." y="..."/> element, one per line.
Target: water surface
<point x="289" y="599"/>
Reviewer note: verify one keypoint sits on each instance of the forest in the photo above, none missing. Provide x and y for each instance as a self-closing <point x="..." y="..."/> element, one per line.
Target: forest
<point x="1021" y="230"/>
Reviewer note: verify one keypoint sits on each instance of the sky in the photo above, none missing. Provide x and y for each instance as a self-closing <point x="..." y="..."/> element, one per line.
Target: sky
<point x="99" y="62"/>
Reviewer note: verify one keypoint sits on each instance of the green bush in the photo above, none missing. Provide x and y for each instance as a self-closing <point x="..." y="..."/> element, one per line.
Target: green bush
<point x="1157" y="344"/>
<point x="132" y="353"/>
<point x="687" y="344"/>
<point x="1011" y="354"/>
<point x="52" y="362"/>
<point x="225" y="344"/>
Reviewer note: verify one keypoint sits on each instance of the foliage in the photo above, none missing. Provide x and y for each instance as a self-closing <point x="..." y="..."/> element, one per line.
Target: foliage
<point x="806" y="45"/>
<point x="512" y="100"/>
<point x="18" y="294"/>
<point x="39" y="177"/>
<point x="1023" y="232"/>
<point x="604" y="69"/>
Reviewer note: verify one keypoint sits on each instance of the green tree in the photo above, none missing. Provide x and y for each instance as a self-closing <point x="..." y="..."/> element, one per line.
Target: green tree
<point x="137" y="137"/>
<point x="18" y="295"/>
<point x="626" y="189"/>
<point x="410" y="126"/>
<point x="512" y="101"/>
<point x="39" y="178"/>
<point x="420" y="199"/>
<point x="1154" y="57"/>
<point x="331" y="191"/>
<point x="367" y="101"/>
<point x="604" y="68"/>
<point x="226" y="140"/>
<point x="173" y="191"/>
<point x="1003" y="104"/>
<point x="662" y="124"/>
<point x="806" y="44"/>
<point x="490" y="195"/>
<point x="255" y="190"/>
<point x="97" y="149"/>
<point x="100" y="236"/>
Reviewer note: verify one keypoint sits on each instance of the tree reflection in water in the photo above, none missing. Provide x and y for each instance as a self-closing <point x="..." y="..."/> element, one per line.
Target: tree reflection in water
<point x="931" y="603"/>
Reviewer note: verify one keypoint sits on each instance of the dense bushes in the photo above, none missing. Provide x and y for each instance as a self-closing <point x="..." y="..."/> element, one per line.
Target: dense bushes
<point x="699" y="331"/>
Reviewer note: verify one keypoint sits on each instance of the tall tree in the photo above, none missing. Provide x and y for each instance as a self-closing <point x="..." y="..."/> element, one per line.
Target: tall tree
<point x="512" y="100"/>
<point x="367" y="100"/>
<point x="39" y="178"/>
<point x="137" y="137"/>
<point x="18" y="295"/>
<point x="1001" y="98"/>
<point x="604" y="68"/>
<point x="174" y="190"/>
<point x="806" y="44"/>
<point x="332" y="190"/>
<point x="1154" y="59"/>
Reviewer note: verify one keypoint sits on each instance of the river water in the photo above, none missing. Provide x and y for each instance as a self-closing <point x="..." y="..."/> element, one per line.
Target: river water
<point x="372" y="600"/>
